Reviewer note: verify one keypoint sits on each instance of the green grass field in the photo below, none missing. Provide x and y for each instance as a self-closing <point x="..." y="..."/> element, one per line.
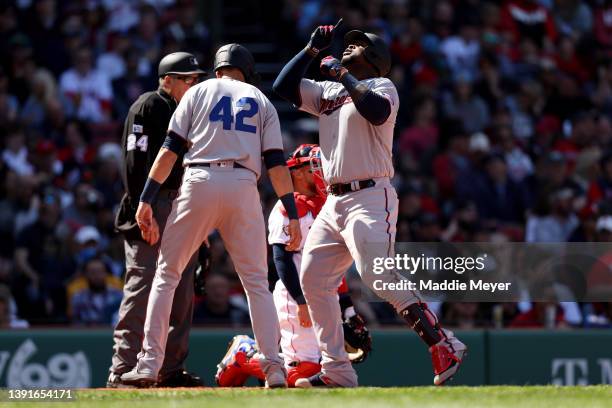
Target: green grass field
<point x="418" y="397"/>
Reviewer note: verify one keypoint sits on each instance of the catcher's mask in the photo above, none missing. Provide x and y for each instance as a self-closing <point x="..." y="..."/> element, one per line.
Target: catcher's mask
<point x="309" y="155"/>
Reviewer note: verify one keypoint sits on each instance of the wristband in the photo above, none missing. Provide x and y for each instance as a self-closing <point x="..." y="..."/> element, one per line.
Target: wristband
<point x="312" y="51"/>
<point x="150" y="190"/>
<point x="289" y="204"/>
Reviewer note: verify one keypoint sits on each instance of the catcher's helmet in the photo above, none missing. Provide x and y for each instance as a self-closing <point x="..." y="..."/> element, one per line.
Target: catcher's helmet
<point x="237" y="56"/>
<point x="376" y="53"/>
<point x="179" y="63"/>
<point x="309" y="155"/>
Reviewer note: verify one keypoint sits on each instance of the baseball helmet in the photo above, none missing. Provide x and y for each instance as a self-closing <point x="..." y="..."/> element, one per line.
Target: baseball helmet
<point x="376" y="53"/>
<point x="179" y="63"/>
<point x="309" y="155"/>
<point x="237" y="56"/>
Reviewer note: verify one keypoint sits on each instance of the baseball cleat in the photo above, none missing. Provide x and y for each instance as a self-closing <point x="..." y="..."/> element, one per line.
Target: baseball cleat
<point x="276" y="379"/>
<point x="446" y="362"/>
<point x="114" y="381"/>
<point x="238" y="351"/>
<point x="138" y="380"/>
<point x="317" y="380"/>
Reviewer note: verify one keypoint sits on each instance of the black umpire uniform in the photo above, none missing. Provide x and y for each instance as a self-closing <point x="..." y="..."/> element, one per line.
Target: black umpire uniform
<point x="143" y="135"/>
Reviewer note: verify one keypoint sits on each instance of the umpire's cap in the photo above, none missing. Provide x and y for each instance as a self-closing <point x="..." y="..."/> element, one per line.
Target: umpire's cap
<point x="179" y="63"/>
<point x="237" y="56"/>
<point x="376" y="53"/>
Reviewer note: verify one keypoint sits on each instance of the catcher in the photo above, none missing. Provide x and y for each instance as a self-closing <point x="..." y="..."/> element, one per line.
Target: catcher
<point x="299" y="347"/>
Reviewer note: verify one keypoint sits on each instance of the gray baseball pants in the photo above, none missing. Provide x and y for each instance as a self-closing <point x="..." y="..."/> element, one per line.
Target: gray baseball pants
<point x="225" y="199"/>
<point x="357" y="226"/>
<point x="141" y="262"/>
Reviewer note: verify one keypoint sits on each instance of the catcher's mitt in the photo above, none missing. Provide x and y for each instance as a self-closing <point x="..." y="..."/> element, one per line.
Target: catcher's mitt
<point x="357" y="339"/>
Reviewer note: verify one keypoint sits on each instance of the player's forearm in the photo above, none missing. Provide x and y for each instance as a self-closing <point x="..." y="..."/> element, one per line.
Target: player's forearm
<point x="281" y="180"/>
<point x="283" y="186"/>
<point x="287" y="272"/>
<point x="375" y="108"/>
<point x="159" y="173"/>
<point x="287" y="84"/>
<point x="163" y="165"/>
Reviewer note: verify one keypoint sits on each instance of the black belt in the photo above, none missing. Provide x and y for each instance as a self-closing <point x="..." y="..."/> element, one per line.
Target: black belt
<point x="340" y="189"/>
<point x="235" y="165"/>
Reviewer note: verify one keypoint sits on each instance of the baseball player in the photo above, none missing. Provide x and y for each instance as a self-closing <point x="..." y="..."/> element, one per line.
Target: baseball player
<point x="299" y="347"/>
<point x="143" y="134"/>
<point x="226" y="124"/>
<point x="357" y="109"/>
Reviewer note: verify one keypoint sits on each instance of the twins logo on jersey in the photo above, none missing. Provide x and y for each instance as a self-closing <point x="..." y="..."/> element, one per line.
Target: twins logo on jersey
<point x="328" y="106"/>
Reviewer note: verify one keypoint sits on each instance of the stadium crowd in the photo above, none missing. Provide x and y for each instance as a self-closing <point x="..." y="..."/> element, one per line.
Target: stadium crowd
<point x="504" y="135"/>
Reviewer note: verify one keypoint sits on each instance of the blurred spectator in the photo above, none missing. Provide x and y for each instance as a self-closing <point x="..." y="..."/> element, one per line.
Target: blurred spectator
<point x="553" y="221"/>
<point x="217" y="307"/>
<point x="462" y="51"/>
<point x="541" y="315"/>
<point x="131" y="85"/>
<point x="497" y="197"/>
<point x="88" y="90"/>
<point x="76" y="154"/>
<point x="447" y="165"/>
<point x="598" y="315"/>
<point x="465" y="105"/>
<point x="603" y="25"/>
<point x="43" y="27"/>
<point x="18" y="209"/>
<point x="573" y="17"/>
<point x="15" y="155"/>
<point x="42" y="264"/>
<point x="187" y="29"/>
<point x="43" y="92"/>
<point x="147" y="38"/>
<point x="9" y="105"/>
<point x="422" y="135"/>
<point x="528" y="19"/>
<point x="88" y="241"/>
<point x="600" y="189"/>
<point x="518" y="162"/>
<point x="461" y="315"/>
<point x="83" y="209"/>
<point x="112" y="62"/>
<point x="97" y="303"/>
<point x="464" y="225"/>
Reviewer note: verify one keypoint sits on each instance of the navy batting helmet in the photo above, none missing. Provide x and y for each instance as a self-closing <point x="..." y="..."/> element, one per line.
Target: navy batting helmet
<point x="179" y="63"/>
<point x="237" y="56"/>
<point x="376" y="53"/>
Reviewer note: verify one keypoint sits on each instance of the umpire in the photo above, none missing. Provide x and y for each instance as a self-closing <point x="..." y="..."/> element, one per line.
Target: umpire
<point x="143" y="134"/>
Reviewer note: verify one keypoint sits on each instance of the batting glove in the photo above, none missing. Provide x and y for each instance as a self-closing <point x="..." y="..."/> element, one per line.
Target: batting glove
<point x="322" y="37"/>
<point x="331" y="67"/>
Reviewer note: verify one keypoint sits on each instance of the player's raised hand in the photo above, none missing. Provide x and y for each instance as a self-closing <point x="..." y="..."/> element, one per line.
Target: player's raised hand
<point x="295" y="235"/>
<point x="147" y="224"/>
<point x="304" y="316"/>
<point x="332" y="67"/>
<point x="322" y="37"/>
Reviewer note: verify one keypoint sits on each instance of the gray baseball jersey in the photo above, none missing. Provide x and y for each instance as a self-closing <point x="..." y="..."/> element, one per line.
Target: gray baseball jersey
<point x="351" y="147"/>
<point x="225" y="119"/>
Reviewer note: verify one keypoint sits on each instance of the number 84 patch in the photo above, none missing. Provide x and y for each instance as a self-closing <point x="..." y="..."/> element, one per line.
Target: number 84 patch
<point x="141" y="142"/>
